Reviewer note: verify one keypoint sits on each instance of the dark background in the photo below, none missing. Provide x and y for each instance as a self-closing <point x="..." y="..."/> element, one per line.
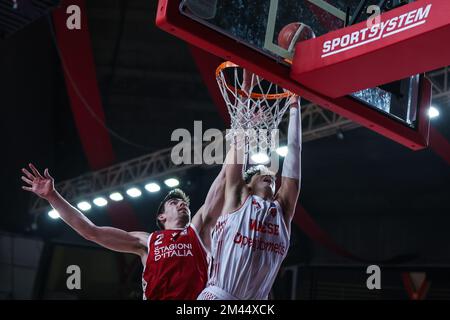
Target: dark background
<point x="374" y="197"/>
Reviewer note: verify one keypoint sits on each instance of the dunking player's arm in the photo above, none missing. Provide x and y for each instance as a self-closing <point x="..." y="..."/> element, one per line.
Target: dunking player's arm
<point x="235" y="188"/>
<point x="108" y="237"/>
<point x="206" y="217"/>
<point x="289" y="190"/>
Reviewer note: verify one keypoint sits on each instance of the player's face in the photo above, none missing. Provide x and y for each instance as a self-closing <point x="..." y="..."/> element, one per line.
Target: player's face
<point x="264" y="181"/>
<point x="177" y="209"/>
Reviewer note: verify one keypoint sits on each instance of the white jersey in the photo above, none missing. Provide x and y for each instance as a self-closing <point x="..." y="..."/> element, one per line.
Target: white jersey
<point x="248" y="247"/>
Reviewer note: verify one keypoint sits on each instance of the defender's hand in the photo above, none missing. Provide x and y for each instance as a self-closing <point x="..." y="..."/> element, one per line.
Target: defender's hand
<point x="42" y="186"/>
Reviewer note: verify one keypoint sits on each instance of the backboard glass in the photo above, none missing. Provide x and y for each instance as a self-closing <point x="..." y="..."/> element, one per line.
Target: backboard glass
<point x="256" y="24"/>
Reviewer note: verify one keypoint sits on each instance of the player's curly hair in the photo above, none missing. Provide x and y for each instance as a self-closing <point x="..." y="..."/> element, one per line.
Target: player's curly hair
<point x="260" y="169"/>
<point x="173" y="194"/>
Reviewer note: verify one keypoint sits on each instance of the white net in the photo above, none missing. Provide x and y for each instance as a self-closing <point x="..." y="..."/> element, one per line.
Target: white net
<point x="256" y="106"/>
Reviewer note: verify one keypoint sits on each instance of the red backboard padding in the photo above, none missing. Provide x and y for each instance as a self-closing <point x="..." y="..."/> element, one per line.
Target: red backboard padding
<point x="412" y="39"/>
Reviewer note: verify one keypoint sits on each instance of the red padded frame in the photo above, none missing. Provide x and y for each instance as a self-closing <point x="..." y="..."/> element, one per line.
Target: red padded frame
<point x="172" y="21"/>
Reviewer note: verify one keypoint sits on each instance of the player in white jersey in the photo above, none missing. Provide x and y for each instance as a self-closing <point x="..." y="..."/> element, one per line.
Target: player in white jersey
<point x="251" y="237"/>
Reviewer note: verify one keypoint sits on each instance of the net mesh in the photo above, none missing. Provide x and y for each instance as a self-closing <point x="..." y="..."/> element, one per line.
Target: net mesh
<point x="256" y="106"/>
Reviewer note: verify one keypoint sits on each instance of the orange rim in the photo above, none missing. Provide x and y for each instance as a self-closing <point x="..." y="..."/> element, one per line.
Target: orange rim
<point x="273" y="96"/>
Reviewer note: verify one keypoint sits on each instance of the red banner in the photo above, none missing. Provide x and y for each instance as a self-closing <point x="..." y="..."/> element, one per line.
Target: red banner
<point x="77" y="61"/>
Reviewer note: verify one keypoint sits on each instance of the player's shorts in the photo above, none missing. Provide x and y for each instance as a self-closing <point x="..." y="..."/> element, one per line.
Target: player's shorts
<point x="215" y="293"/>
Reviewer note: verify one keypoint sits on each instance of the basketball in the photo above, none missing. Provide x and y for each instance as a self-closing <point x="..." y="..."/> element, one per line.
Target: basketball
<point x="289" y="31"/>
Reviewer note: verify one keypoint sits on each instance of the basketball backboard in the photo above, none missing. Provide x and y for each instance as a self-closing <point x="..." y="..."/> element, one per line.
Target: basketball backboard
<point x="247" y="31"/>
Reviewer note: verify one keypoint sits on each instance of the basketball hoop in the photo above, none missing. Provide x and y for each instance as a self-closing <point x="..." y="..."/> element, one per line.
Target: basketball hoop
<point x="256" y="106"/>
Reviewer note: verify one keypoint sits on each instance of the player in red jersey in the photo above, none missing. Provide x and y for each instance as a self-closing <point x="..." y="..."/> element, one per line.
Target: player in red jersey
<point x="174" y="259"/>
<point x="176" y="266"/>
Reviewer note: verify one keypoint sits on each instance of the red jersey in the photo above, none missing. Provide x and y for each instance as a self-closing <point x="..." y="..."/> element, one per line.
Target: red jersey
<point x="176" y="266"/>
